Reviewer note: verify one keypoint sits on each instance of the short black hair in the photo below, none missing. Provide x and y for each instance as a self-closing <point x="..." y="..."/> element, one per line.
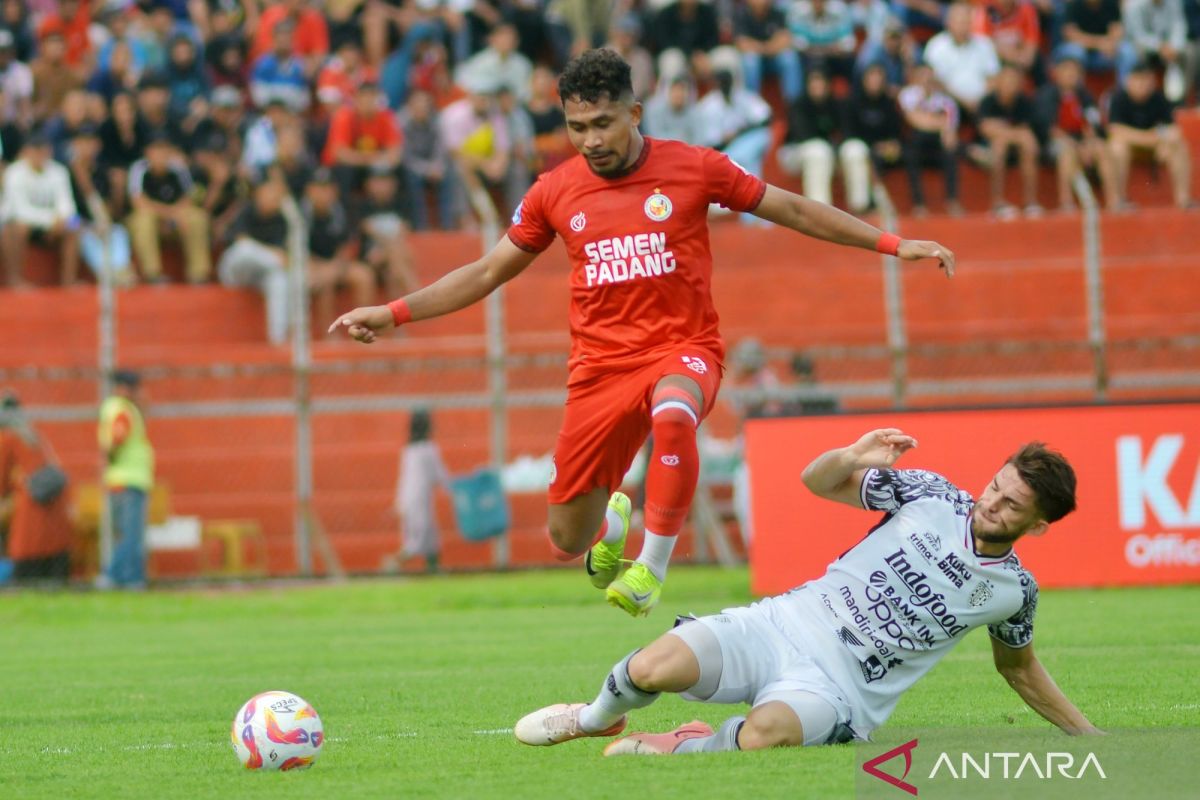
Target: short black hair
<point x="1050" y="476"/>
<point x="595" y="74"/>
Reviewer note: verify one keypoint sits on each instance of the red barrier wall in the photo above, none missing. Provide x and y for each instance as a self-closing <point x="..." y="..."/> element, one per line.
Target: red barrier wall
<point x="1138" y="520"/>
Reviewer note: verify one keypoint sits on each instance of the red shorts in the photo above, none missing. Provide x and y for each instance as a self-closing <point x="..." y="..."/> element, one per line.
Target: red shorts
<point x="608" y="419"/>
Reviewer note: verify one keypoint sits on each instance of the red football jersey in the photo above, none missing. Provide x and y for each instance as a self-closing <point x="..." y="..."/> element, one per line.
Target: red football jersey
<point x="641" y="267"/>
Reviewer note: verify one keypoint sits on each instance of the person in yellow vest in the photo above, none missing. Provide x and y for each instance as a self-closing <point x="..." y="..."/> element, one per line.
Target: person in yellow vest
<point x="129" y="475"/>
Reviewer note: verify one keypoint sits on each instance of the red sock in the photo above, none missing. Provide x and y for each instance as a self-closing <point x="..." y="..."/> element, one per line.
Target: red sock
<point x="673" y="471"/>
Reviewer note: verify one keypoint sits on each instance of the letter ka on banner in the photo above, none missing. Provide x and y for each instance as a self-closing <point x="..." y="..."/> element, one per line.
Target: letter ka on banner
<point x="1138" y="520"/>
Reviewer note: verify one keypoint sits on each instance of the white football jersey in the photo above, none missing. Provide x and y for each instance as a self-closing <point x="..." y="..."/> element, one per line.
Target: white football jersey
<point x="887" y="610"/>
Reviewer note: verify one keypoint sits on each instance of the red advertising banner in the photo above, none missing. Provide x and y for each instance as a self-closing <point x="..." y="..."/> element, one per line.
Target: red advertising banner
<point x="1138" y="520"/>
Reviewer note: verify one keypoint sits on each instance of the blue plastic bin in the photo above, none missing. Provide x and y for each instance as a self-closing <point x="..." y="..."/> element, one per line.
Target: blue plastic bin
<point x="480" y="505"/>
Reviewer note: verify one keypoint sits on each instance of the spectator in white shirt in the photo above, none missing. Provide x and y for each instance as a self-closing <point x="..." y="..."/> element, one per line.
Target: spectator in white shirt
<point x="39" y="206"/>
<point x="964" y="62"/>
<point x="501" y="62"/>
<point x="671" y="112"/>
<point x="1158" y="31"/>
<point x="734" y="120"/>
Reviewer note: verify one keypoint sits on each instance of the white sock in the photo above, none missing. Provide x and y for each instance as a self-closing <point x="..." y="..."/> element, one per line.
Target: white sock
<point x="656" y="553"/>
<point x="616" y="527"/>
<point x="617" y="696"/>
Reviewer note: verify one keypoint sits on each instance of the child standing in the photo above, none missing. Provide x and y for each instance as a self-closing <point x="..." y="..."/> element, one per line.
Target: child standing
<point x="421" y="472"/>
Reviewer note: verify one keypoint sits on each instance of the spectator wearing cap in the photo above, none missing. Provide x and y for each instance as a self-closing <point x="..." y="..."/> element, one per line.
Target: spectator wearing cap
<point x="343" y="74"/>
<point x="1014" y="29"/>
<point x="671" y="112"/>
<point x="280" y="74"/>
<point x="128" y="477"/>
<point x="362" y="135"/>
<point x="1068" y="120"/>
<point x="894" y="51"/>
<point x="52" y="76"/>
<point x="426" y="164"/>
<point x="963" y="62"/>
<point x="217" y="188"/>
<point x="261" y="142"/>
<point x="331" y="247"/>
<point x="383" y="229"/>
<point x="160" y="192"/>
<point x="105" y="245"/>
<point x="761" y="34"/>
<point x="71" y="20"/>
<point x="932" y="119"/>
<point x="1141" y="122"/>
<point x="625" y="38"/>
<point x="38" y="206"/>
<point x="185" y="73"/>
<point x="16" y="91"/>
<point x="818" y="138"/>
<point x="1006" y="124"/>
<point x="500" y="61"/>
<point x="689" y="28"/>
<point x="311" y="32"/>
<point x="1157" y="29"/>
<point x="35" y="514"/>
<point x="227" y="114"/>
<point x="823" y="30"/>
<point x="1095" y="36"/>
<point x="256" y="256"/>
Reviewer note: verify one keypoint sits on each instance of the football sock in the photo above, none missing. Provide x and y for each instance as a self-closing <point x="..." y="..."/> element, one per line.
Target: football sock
<point x="670" y="479"/>
<point x="725" y="738"/>
<point x="617" y="696"/>
<point x="613" y="527"/>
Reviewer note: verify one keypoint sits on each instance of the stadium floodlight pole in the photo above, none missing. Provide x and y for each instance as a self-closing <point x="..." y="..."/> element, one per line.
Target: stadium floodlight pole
<point x="301" y="363"/>
<point x="1095" y="281"/>
<point x="107" y="359"/>
<point x="893" y="299"/>
<point x="497" y="357"/>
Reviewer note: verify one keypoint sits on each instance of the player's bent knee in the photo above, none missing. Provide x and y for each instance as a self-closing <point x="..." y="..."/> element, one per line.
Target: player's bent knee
<point x="770" y="726"/>
<point x="567" y="539"/>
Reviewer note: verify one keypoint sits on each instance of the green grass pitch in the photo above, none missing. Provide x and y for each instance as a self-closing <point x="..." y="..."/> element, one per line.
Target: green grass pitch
<point x="131" y="695"/>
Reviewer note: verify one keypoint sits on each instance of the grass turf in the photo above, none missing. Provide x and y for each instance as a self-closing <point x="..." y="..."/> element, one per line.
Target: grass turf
<point x="131" y="695"/>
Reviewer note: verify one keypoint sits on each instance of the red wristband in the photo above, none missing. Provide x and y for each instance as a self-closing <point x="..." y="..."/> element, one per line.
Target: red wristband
<point x="888" y="244"/>
<point x="400" y="312"/>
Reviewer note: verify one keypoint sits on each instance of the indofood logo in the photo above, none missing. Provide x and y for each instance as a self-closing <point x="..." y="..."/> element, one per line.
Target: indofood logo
<point x="1144" y="478"/>
<point x="967" y="766"/>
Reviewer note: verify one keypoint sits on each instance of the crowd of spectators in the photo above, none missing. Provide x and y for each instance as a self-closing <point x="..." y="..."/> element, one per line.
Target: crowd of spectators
<point x="127" y="123"/>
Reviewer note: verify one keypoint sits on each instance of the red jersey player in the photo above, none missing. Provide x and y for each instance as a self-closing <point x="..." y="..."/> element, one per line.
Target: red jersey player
<point x="646" y="356"/>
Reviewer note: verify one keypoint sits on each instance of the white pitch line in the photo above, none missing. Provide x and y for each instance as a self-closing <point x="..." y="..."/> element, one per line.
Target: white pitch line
<point x="493" y="732"/>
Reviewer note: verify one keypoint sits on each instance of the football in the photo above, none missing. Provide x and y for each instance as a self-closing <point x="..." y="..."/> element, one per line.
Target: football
<point x="277" y="730"/>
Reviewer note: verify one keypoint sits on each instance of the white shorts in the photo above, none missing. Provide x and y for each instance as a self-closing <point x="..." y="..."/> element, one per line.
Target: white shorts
<point x="757" y="664"/>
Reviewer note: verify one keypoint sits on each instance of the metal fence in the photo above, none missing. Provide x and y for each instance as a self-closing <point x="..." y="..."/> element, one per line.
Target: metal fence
<point x="495" y="395"/>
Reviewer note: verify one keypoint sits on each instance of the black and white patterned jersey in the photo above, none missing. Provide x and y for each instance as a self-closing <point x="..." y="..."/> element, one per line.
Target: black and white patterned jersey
<point x="887" y="610"/>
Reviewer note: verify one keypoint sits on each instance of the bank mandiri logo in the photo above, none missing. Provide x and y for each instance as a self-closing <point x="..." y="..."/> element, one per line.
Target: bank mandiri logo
<point x="986" y="766"/>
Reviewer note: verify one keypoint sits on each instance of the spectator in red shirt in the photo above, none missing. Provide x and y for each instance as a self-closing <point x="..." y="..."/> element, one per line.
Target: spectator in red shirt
<point x="72" y="21"/>
<point x="343" y="74"/>
<point x="312" y="32"/>
<point x="362" y="135"/>
<point x="1014" y="29"/>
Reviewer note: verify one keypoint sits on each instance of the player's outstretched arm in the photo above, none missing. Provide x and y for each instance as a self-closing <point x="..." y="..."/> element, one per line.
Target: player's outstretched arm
<point x="838" y="474"/>
<point x="833" y="225"/>
<point x="1028" y="678"/>
<point x="458" y="289"/>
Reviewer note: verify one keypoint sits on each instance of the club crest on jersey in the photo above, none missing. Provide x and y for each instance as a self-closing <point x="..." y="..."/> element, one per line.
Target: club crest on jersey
<point x="578" y="222"/>
<point x="658" y="206"/>
<point x="981" y="594"/>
